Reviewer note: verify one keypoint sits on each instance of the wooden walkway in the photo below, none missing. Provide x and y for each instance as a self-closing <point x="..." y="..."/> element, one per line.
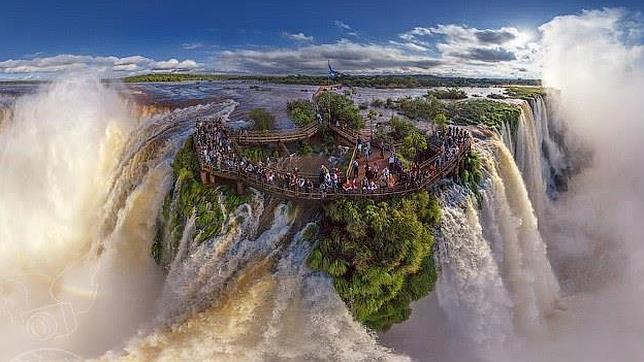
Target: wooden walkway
<point x="210" y="174"/>
<point x="264" y="137"/>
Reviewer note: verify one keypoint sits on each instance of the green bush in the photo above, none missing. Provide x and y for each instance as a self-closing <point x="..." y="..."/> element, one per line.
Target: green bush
<point x="422" y="108"/>
<point x="301" y="112"/>
<point x="472" y="175"/>
<point x="487" y="112"/>
<point x="379" y="255"/>
<point x="525" y="92"/>
<point x="449" y="93"/>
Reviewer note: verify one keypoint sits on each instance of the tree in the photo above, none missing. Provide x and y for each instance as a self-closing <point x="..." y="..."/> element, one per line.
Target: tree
<point x="262" y="120"/>
<point x="441" y="120"/>
<point x="336" y="107"/>
<point x="413" y="143"/>
<point x="301" y="112"/>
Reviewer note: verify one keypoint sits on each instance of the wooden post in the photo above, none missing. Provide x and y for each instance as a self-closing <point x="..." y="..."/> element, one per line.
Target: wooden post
<point x="204" y="177"/>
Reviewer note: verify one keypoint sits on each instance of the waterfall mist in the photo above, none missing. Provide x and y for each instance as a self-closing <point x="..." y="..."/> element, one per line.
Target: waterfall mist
<point x="596" y="61"/>
<point x="84" y="174"/>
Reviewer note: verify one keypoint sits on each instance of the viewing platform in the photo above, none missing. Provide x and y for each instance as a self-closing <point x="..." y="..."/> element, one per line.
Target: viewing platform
<point x="225" y="164"/>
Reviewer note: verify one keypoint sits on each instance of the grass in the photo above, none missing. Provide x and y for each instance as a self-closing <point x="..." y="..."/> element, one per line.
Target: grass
<point x="525" y="92"/>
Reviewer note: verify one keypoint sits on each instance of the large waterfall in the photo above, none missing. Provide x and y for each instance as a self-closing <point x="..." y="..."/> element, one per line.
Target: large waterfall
<point x="537" y="146"/>
<point x="85" y="175"/>
<point x="496" y="284"/>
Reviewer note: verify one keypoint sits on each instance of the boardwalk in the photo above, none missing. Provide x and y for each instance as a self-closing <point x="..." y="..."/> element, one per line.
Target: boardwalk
<point x="246" y="137"/>
<point x="429" y="171"/>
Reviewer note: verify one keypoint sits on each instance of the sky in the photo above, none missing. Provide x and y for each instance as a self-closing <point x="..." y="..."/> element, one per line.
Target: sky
<point x="40" y="39"/>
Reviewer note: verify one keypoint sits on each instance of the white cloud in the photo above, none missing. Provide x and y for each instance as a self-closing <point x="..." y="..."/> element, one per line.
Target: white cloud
<point x="192" y="46"/>
<point x="297" y="36"/>
<point x="443" y="49"/>
<point x="68" y="62"/>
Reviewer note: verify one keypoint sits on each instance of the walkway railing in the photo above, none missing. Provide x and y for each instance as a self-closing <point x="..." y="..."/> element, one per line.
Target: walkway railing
<point x="259" y="182"/>
<point x="263" y="137"/>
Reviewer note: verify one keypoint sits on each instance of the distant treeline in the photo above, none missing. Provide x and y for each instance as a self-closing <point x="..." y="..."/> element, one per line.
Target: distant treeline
<point x="370" y="81"/>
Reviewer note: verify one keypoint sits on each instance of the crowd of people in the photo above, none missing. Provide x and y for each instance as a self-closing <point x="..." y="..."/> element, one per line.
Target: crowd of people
<point x="217" y="150"/>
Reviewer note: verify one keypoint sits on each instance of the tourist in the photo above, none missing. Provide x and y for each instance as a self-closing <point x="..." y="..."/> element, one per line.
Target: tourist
<point x="356" y="168"/>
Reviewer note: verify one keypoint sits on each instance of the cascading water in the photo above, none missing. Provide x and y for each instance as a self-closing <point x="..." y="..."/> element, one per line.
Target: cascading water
<point x="496" y="287"/>
<point x="470" y="288"/>
<point x="85" y="178"/>
<point x="512" y="228"/>
<point x="242" y="299"/>
<point x="537" y="152"/>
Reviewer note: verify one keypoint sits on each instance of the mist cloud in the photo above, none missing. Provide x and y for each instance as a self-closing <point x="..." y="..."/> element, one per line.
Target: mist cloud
<point x="596" y="231"/>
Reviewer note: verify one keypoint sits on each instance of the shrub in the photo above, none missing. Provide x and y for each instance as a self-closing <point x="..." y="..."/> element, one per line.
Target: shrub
<point x="262" y="120"/>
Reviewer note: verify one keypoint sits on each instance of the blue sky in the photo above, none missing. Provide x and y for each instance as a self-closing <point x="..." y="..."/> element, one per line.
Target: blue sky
<point x="128" y="37"/>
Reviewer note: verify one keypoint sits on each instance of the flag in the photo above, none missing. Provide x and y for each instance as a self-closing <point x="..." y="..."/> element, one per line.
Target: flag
<point x="332" y="73"/>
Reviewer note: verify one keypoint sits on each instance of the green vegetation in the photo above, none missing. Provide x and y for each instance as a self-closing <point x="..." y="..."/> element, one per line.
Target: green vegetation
<point x="525" y="92"/>
<point x="422" y="108"/>
<point x="172" y="77"/>
<point x="334" y="106"/>
<point x="262" y="120"/>
<point x="301" y="112"/>
<point x="492" y="114"/>
<point x="441" y="120"/>
<point x="472" y="175"/>
<point x="449" y="93"/>
<point x="190" y="197"/>
<point x="413" y="140"/>
<point x="379" y="255"/>
<point x="372" y="81"/>
<point x="255" y="154"/>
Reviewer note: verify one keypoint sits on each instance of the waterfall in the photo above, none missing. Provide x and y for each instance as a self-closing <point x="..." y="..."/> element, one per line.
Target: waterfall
<point x="253" y="300"/>
<point x="528" y="157"/>
<point x="496" y="282"/>
<point x="470" y="288"/>
<point x="85" y="175"/>
<point x="512" y="228"/>
<point x="550" y="135"/>
<point x="538" y="151"/>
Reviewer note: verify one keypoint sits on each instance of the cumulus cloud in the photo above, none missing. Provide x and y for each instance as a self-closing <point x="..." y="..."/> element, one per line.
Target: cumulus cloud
<point x="297" y="36"/>
<point x="443" y="49"/>
<point x="346" y="55"/>
<point x="489" y="55"/>
<point x="68" y="62"/>
<point x="495" y="36"/>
